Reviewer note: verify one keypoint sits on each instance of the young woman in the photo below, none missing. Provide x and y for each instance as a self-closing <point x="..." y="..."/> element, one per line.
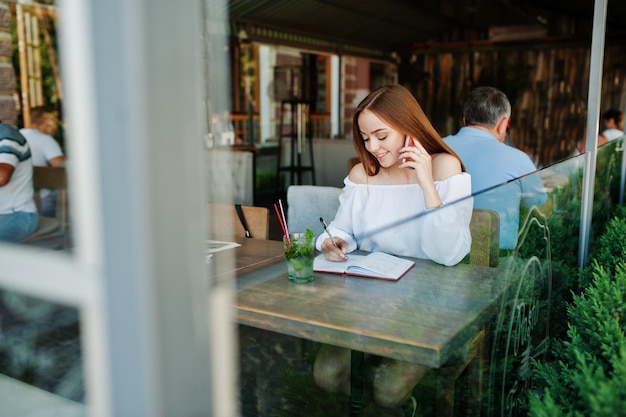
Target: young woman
<point x="398" y="200"/>
<point x="406" y="170"/>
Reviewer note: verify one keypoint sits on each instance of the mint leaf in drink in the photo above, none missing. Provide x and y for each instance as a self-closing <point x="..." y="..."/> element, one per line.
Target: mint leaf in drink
<point x="301" y="249"/>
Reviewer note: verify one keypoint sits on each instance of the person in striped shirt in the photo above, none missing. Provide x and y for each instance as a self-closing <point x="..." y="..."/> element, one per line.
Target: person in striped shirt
<point x="18" y="212"/>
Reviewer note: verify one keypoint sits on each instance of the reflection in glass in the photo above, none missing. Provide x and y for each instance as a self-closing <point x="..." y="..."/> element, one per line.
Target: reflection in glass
<point x="40" y="346"/>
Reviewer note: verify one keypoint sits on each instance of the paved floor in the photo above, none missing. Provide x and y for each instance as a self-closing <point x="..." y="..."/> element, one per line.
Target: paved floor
<point x="40" y="345"/>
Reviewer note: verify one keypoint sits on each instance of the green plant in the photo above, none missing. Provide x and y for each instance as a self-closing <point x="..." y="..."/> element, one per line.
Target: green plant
<point x="588" y="378"/>
<point x="563" y="223"/>
<point x="47" y="59"/>
<point x="585" y="375"/>
<point x="609" y="247"/>
<point x="265" y="178"/>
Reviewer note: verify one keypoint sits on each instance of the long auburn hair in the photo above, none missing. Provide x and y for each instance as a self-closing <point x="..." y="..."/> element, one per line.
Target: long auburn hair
<point x="395" y="105"/>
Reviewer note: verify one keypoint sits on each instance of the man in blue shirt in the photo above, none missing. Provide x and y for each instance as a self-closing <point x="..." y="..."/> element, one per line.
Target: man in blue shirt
<point x="479" y="144"/>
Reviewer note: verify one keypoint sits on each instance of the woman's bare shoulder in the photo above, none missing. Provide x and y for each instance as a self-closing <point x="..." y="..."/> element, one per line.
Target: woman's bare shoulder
<point x="445" y="166"/>
<point x="357" y="174"/>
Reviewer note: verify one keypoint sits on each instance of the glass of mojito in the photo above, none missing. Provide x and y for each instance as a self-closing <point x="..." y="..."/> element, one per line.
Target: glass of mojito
<point x="299" y="255"/>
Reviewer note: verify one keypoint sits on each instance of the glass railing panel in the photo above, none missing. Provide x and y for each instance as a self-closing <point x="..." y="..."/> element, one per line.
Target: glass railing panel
<point x="544" y="271"/>
<point x="509" y="312"/>
<point x="543" y="209"/>
<point x="606" y="184"/>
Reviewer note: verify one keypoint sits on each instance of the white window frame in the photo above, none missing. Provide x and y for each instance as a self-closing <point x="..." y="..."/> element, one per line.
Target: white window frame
<point x="134" y="115"/>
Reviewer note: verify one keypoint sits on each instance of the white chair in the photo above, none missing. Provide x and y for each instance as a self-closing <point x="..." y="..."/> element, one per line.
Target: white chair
<point x="307" y="203"/>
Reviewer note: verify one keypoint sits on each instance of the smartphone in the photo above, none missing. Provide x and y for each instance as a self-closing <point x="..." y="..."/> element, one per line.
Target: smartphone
<point x="407" y="142"/>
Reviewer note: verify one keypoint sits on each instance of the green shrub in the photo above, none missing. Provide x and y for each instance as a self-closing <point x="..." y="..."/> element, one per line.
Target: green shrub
<point x="611" y="245"/>
<point x="588" y="379"/>
<point x="265" y="179"/>
<point x="608" y="248"/>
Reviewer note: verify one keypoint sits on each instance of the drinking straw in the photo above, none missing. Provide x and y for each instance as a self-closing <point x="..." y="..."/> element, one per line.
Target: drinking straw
<point x="282" y="225"/>
<point x="282" y="212"/>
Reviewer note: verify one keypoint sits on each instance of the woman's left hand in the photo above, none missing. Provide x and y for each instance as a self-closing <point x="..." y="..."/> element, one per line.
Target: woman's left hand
<point x="414" y="156"/>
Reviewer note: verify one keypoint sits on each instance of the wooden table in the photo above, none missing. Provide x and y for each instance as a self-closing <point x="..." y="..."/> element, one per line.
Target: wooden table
<point x="253" y="255"/>
<point x="427" y="317"/>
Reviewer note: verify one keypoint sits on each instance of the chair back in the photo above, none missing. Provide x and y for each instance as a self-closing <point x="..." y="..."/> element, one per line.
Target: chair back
<point x="55" y="179"/>
<point x="224" y="221"/>
<point x="52" y="232"/>
<point x="485" y="231"/>
<point x="307" y="203"/>
<point x="51" y="178"/>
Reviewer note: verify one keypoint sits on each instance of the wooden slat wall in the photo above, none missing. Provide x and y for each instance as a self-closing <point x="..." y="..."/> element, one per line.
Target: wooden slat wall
<point x="547" y="88"/>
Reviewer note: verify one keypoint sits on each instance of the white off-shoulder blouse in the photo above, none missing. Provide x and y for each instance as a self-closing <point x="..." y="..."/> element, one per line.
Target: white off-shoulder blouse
<point x="394" y="219"/>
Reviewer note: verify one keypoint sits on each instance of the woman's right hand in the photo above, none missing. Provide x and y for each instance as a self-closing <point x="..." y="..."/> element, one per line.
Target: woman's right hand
<point x="335" y="253"/>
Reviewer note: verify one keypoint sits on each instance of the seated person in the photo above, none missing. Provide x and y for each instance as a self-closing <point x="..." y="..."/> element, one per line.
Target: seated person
<point x="612" y="126"/>
<point x="18" y="213"/>
<point x="45" y="149"/>
<point x="479" y="144"/>
<point x="406" y="170"/>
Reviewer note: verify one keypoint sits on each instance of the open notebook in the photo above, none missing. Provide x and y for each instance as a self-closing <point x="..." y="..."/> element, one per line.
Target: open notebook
<point x="374" y="265"/>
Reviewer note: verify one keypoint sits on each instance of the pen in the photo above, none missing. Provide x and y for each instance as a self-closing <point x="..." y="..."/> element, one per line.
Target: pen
<point x="328" y="233"/>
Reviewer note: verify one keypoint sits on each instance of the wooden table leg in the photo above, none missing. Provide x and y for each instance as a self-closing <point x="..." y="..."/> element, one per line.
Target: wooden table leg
<point x="356" y="383"/>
